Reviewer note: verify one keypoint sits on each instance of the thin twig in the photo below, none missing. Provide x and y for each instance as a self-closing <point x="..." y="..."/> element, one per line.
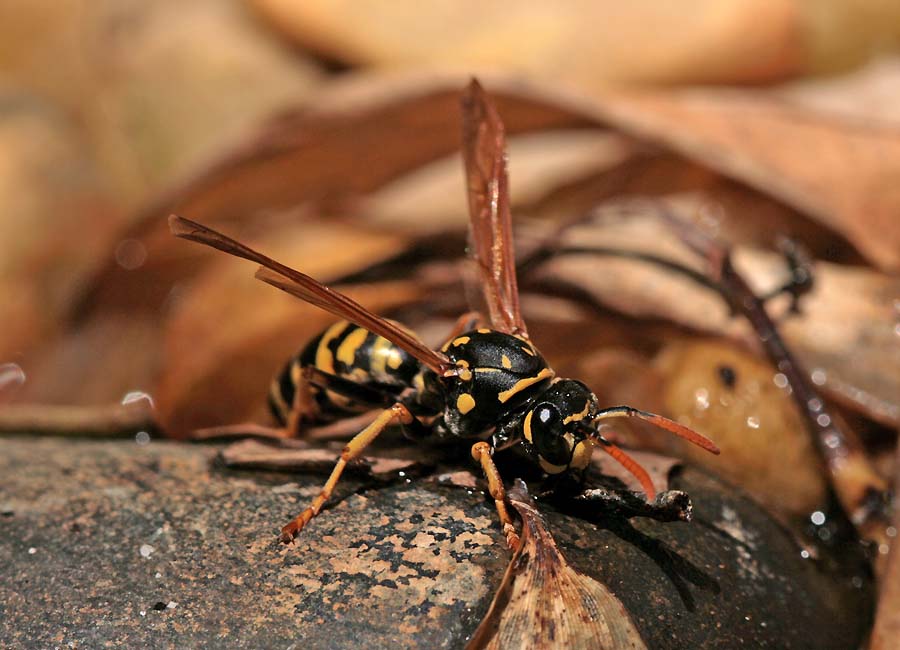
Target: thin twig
<point x="113" y="420"/>
<point x="860" y="490"/>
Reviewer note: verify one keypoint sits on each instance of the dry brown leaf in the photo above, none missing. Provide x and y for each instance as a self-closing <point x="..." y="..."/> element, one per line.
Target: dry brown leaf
<point x="845" y="333"/>
<point x="49" y="190"/>
<point x="544" y="603"/>
<point x="591" y="43"/>
<point x="358" y="136"/>
<point x="585" y="43"/>
<point x="836" y="170"/>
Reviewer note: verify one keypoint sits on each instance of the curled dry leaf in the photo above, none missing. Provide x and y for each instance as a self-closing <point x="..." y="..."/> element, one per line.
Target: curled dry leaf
<point x="321" y="156"/>
<point x="544" y="603"/>
<point x="834" y="169"/>
<point x="845" y="332"/>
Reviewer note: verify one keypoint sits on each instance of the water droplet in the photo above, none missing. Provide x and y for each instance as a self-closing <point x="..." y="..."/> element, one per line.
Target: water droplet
<point x="753" y="422"/>
<point x="832" y="440"/>
<point x="818" y="517"/>
<point x="701" y="399"/>
<point x="883" y="549"/>
<point x="891" y="531"/>
<point x="142" y="438"/>
<point x="780" y="380"/>
<point x="823" y="420"/>
<point x="818" y="377"/>
<point x="804" y="554"/>
<point x="136" y="396"/>
<point x="857" y="582"/>
<point x="11" y="376"/>
<point x="815" y="404"/>
<point x="146" y="550"/>
<point x="130" y="254"/>
<point x="32" y="550"/>
<point x="171" y="604"/>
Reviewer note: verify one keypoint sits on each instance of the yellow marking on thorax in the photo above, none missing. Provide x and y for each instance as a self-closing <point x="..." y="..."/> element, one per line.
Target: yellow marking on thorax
<point x="465" y="403"/>
<point x="577" y="417"/>
<point x="506" y="362"/>
<point x="488" y="370"/>
<point x="527" y="426"/>
<point x="522" y="384"/>
<point x="484" y="330"/>
<point x="462" y="340"/>
<point x="324" y="358"/>
<point x="527" y="350"/>
<point x="346" y="352"/>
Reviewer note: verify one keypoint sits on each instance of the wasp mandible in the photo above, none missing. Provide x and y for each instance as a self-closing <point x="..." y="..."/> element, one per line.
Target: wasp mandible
<point x="488" y="385"/>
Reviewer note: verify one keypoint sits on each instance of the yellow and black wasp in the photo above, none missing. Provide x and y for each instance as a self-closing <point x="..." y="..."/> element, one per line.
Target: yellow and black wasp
<point x="487" y="384"/>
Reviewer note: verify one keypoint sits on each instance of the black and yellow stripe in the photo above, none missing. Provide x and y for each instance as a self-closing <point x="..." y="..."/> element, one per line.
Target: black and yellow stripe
<point x="351" y="353"/>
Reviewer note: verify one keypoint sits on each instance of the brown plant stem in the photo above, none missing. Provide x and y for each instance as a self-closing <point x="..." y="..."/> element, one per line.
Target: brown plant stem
<point x="112" y="420"/>
<point x="860" y="490"/>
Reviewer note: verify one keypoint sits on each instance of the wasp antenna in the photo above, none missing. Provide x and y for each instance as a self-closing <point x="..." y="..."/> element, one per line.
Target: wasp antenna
<point x="629" y="463"/>
<point x="663" y="423"/>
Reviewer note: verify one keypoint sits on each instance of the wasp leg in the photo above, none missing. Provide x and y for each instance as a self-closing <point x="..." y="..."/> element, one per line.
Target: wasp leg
<point x="481" y="452"/>
<point x="396" y="414"/>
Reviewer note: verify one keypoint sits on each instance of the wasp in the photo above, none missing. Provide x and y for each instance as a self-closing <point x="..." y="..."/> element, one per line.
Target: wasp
<point x="488" y="385"/>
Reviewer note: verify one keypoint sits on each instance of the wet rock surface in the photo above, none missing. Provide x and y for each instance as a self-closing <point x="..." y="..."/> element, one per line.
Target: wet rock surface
<point x="114" y="544"/>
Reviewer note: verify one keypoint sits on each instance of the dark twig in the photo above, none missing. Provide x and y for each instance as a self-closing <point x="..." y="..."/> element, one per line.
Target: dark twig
<point x="861" y="492"/>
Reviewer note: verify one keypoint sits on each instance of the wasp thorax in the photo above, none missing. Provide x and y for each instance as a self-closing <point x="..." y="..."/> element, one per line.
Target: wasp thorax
<point x="557" y="426"/>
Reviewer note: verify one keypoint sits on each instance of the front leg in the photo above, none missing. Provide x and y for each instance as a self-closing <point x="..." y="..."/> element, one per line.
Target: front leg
<point x="481" y="452"/>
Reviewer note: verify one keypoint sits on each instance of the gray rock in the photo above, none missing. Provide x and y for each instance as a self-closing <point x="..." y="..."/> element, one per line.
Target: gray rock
<point x="114" y="544"/>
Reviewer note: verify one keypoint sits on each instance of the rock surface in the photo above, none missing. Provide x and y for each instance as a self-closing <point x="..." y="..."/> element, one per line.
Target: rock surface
<point x="115" y="544"/>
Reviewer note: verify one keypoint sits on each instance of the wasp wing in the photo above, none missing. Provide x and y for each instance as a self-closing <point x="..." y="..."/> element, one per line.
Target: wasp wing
<point x="484" y="154"/>
<point x="304" y="287"/>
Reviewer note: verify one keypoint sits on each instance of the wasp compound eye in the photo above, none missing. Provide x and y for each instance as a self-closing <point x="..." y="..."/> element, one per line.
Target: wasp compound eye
<point x="550" y="441"/>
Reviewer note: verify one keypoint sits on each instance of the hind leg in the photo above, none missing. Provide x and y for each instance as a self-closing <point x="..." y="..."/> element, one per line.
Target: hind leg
<point x="396" y="414"/>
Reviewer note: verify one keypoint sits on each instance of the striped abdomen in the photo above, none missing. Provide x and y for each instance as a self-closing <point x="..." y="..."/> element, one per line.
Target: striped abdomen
<point x="349" y="352"/>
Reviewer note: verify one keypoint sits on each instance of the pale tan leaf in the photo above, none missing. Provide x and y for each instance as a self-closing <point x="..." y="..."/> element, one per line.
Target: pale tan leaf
<point x="544" y="603"/>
